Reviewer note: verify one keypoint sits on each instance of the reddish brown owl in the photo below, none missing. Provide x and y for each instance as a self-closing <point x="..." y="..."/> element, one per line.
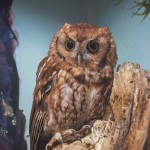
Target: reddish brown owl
<point x="73" y="83"/>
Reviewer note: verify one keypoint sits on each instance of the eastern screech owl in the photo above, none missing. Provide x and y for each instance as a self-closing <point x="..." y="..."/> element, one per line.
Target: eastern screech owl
<point x="73" y="83"/>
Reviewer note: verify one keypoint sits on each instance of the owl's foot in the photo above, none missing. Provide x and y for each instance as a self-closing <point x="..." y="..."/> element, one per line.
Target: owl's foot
<point x="69" y="135"/>
<point x="56" y="138"/>
<point x="59" y="138"/>
<point x="76" y="135"/>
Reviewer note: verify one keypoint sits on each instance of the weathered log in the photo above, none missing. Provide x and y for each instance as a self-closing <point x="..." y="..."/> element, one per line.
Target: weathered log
<point x="126" y="123"/>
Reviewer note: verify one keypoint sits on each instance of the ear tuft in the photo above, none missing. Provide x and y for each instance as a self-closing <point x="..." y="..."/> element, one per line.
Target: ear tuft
<point x="67" y="25"/>
<point x="104" y="30"/>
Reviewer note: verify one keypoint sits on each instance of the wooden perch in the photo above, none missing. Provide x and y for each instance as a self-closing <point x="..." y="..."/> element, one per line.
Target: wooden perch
<point x="126" y="123"/>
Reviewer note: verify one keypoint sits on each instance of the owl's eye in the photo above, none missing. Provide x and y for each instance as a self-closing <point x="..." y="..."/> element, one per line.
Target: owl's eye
<point x="92" y="46"/>
<point x="69" y="44"/>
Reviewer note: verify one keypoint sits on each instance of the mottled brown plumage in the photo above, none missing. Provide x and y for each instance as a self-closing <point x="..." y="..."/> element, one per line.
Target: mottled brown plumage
<point x="73" y="83"/>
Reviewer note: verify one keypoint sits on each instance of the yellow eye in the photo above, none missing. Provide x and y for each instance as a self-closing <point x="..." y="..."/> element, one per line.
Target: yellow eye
<point x="69" y="45"/>
<point x="92" y="46"/>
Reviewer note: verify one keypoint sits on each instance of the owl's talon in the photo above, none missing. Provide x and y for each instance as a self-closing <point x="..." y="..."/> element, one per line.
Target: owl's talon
<point x="85" y="130"/>
<point x="86" y="127"/>
<point x="48" y="147"/>
<point x="56" y="138"/>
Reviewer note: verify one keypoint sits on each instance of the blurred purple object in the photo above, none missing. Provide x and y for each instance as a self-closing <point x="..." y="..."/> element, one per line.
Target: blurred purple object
<point x="12" y="120"/>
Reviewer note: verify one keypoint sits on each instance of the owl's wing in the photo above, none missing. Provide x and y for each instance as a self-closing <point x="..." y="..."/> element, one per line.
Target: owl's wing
<point x="39" y="108"/>
<point x="36" y="127"/>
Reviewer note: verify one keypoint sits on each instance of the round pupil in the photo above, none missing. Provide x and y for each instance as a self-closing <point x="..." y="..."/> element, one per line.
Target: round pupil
<point x="69" y="45"/>
<point x="93" y="46"/>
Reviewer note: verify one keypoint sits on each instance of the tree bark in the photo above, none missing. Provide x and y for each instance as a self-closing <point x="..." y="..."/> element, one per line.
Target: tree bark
<point x="126" y="122"/>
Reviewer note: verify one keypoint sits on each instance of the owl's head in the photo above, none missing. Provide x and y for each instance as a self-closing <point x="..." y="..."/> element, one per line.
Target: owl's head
<point x="85" y="45"/>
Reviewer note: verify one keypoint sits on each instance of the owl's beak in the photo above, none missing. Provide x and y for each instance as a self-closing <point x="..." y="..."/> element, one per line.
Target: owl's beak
<point x="79" y="58"/>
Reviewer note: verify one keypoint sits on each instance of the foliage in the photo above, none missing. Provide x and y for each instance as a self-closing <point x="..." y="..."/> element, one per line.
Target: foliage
<point x="142" y="8"/>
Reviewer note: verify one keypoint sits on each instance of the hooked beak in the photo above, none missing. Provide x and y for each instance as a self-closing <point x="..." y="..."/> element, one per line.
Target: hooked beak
<point x="79" y="58"/>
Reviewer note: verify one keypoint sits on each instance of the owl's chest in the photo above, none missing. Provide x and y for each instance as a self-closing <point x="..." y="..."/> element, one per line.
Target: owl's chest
<point x="73" y="101"/>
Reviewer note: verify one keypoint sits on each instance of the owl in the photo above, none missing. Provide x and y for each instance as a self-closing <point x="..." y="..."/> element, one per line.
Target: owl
<point x="73" y="84"/>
